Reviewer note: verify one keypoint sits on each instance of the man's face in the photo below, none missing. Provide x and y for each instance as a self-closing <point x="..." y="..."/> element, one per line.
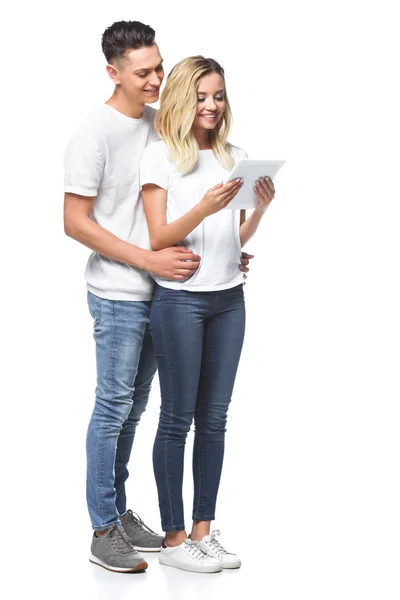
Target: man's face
<point x="140" y="74"/>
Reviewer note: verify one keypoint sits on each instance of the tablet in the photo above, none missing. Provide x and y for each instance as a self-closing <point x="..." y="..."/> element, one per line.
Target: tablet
<point x="251" y="170"/>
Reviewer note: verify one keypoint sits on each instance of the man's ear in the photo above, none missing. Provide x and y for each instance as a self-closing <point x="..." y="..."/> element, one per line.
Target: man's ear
<point x="113" y="73"/>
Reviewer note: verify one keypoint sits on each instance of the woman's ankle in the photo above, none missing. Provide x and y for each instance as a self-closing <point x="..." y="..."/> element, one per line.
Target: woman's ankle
<point x="175" y="538"/>
<point x="199" y="530"/>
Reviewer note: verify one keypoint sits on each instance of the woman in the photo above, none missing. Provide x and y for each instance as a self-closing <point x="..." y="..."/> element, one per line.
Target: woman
<point x="197" y="321"/>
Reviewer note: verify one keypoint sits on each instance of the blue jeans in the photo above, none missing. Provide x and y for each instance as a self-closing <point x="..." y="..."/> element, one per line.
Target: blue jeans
<point x="198" y="339"/>
<point x="126" y="366"/>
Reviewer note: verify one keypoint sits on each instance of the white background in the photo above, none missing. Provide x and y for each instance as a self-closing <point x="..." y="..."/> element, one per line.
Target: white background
<point x="310" y="491"/>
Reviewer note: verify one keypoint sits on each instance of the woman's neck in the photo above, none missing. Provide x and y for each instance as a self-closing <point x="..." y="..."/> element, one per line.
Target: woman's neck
<point x="202" y="138"/>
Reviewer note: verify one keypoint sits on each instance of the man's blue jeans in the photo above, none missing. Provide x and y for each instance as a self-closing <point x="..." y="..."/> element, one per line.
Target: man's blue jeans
<point x="198" y="339"/>
<point x="126" y="366"/>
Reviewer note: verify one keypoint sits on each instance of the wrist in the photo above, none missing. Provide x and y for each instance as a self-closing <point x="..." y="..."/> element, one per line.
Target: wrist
<point x="200" y="210"/>
<point x="143" y="259"/>
<point x="261" y="209"/>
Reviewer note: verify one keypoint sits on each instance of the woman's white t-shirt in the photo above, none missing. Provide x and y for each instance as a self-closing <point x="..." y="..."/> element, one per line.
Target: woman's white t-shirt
<point x="217" y="238"/>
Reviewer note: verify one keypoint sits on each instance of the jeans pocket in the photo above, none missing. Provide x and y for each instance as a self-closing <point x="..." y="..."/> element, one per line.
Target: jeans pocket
<point x="159" y="292"/>
<point x="94" y="304"/>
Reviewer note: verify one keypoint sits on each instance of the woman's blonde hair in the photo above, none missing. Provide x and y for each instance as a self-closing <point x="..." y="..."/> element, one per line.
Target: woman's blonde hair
<point x="178" y="109"/>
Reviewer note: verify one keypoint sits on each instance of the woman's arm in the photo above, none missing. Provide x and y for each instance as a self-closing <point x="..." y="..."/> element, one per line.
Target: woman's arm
<point x="163" y="234"/>
<point x="265" y="191"/>
<point x="250" y="226"/>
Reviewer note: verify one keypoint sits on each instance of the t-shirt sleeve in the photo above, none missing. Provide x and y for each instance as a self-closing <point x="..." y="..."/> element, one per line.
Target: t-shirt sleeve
<point x="154" y="166"/>
<point x="83" y="166"/>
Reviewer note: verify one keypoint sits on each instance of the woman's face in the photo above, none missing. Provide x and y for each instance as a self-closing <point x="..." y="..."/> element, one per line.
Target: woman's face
<point x="210" y="101"/>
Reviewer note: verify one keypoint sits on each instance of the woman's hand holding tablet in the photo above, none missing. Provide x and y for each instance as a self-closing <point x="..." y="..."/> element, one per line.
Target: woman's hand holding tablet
<point x="219" y="197"/>
<point x="251" y="171"/>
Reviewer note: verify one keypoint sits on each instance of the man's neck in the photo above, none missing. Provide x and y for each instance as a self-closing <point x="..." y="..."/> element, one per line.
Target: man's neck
<point x="125" y="106"/>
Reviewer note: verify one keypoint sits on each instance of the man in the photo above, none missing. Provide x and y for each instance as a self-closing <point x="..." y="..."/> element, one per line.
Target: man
<point x="102" y="210"/>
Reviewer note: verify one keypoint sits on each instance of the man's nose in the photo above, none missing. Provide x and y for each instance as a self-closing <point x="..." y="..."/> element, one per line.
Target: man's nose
<point x="154" y="80"/>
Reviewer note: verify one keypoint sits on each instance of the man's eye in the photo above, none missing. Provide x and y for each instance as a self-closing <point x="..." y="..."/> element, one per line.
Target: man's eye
<point x="143" y="75"/>
<point x="160" y="68"/>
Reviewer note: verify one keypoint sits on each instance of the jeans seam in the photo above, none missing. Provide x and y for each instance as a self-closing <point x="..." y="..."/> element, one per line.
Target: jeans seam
<point x="200" y="447"/>
<point x="197" y="510"/>
<point x="101" y="453"/>
<point x="113" y="359"/>
<point x="167" y="445"/>
<point x="100" y="479"/>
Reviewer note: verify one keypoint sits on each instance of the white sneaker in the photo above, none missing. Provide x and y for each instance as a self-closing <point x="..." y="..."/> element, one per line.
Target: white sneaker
<point x="212" y="546"/>
<point x="190" y="557"/>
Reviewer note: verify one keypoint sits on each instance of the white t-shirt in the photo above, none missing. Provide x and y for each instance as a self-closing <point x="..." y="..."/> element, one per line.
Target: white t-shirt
<point x="102" y="159"/>
<point x="217" y="238"/>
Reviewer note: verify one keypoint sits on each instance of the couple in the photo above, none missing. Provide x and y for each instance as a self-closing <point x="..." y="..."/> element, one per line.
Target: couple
<point x="124" y="184"/>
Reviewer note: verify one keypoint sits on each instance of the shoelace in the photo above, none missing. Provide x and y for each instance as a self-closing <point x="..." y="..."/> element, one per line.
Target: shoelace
<point x="194" y="549"/>
<point x="137" y="522"/>
<point x="215" y="545"/>
<point x="119" y="540"/>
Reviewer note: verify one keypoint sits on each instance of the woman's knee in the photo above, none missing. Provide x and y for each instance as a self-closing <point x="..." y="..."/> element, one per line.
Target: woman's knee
<point x="210" y="424"/>
<point x="174" y="425"/>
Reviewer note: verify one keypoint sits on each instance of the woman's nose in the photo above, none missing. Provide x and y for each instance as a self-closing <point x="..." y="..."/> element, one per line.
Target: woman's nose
<point x="210" y="104"/>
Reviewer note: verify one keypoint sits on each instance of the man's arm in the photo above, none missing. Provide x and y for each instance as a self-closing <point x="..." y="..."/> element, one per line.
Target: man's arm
<point x="169" y="263"/>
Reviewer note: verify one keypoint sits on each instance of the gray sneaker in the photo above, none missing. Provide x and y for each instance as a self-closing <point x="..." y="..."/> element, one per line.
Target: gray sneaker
<point x="114" y="551"/>
<point x="142" y="537"/>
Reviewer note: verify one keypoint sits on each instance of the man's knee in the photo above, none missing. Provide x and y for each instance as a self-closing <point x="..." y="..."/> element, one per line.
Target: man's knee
<point x="114" y="410"/>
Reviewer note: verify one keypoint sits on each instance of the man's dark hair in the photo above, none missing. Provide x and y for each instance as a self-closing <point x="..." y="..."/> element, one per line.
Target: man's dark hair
<point x="125" y="35"/>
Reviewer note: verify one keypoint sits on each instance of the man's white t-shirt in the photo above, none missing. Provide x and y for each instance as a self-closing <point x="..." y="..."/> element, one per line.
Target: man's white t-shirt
<point x="102" y="159"/>
<point x="217" y="238"/>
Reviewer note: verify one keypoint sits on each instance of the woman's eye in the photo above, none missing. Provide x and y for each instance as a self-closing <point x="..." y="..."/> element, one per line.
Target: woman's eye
<point x="219" y="99"/>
